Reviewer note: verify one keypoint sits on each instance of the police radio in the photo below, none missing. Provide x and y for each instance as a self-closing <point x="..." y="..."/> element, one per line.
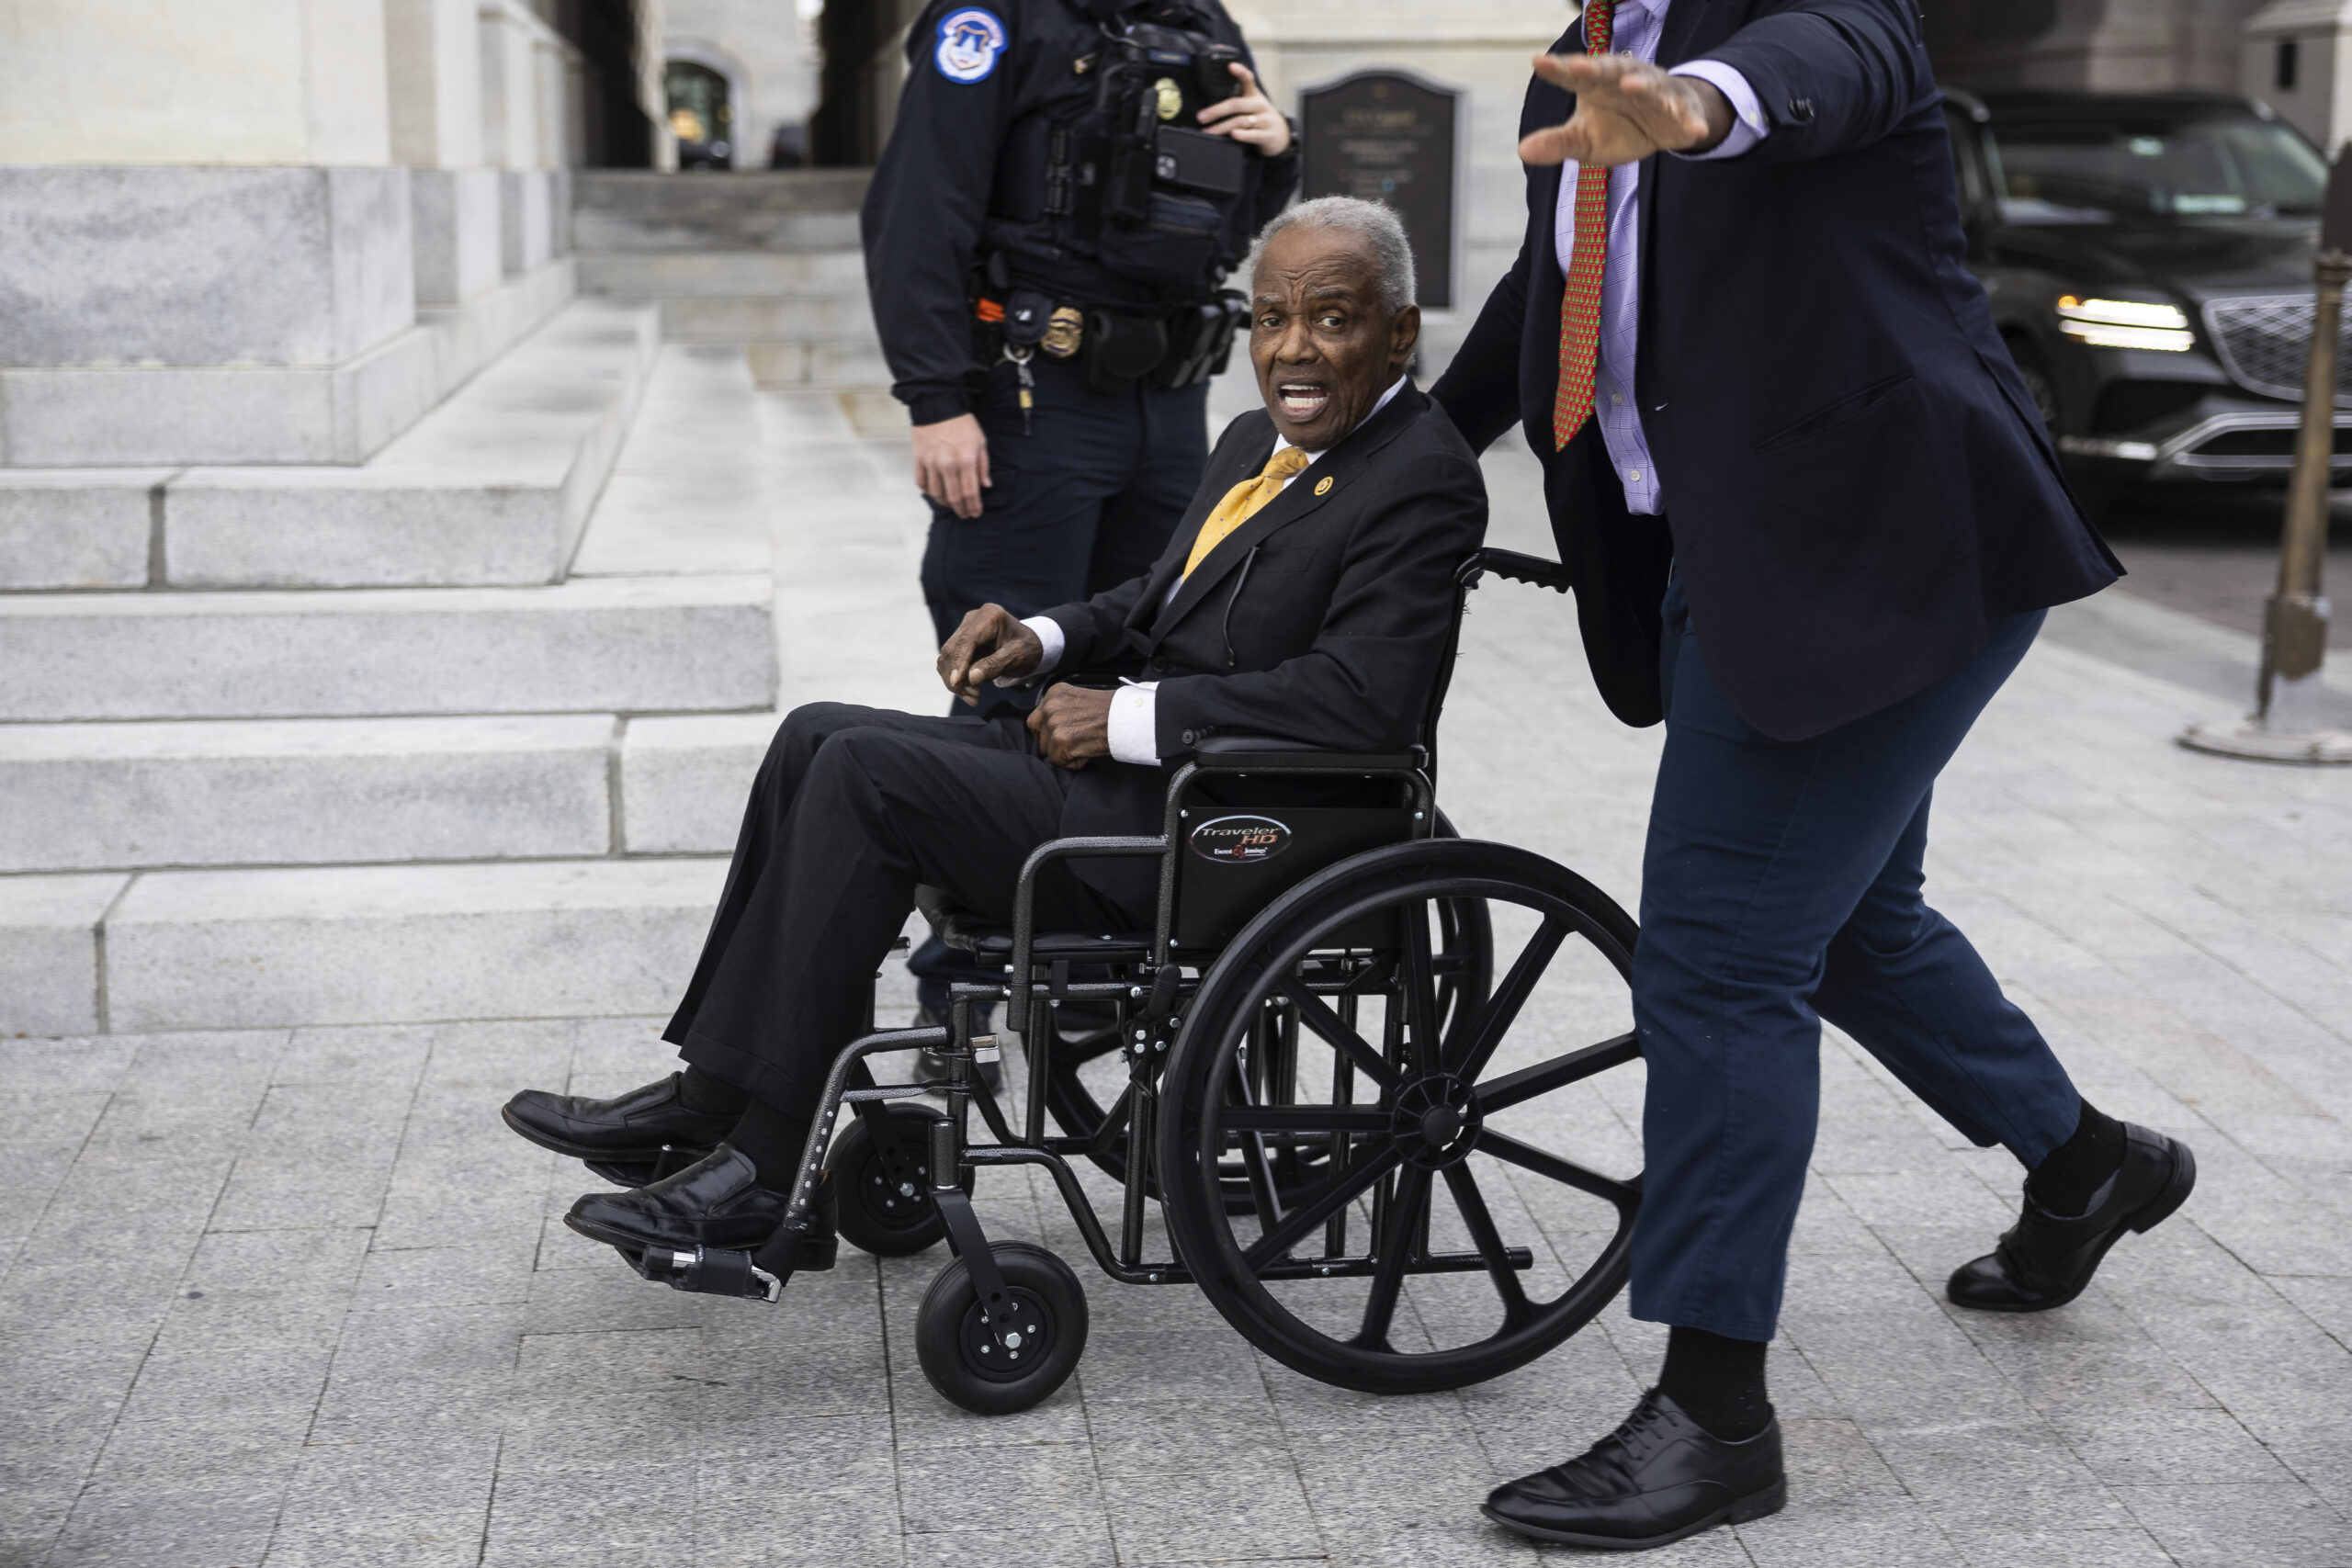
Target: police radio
<point x="1154" y="82"/>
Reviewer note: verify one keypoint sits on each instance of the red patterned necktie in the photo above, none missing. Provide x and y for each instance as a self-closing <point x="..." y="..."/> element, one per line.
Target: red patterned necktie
<point x="1587" y="260"/>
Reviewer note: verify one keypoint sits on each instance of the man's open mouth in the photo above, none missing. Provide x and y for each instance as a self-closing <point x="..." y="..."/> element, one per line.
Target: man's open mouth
<point x="1302" y="401"/>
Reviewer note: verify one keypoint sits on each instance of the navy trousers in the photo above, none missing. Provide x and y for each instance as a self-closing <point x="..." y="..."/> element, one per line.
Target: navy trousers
<point x="1781" y="885"/>
<point x="1082" y="499"/>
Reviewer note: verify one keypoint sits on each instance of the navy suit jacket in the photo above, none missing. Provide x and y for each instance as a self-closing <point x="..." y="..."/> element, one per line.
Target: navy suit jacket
<point x="1855" y="478"/>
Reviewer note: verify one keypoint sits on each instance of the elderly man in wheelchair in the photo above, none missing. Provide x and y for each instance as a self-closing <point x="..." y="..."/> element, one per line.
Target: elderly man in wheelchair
<point x="1216" y="838"/>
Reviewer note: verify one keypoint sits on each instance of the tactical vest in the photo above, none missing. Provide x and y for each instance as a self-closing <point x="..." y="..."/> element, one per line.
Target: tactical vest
<point x="1113" y="168"/>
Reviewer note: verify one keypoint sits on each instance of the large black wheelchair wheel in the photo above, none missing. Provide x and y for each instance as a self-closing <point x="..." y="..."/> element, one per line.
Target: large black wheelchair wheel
<point x="1365" y="1280"/>
<point x="1087" y="1088"/>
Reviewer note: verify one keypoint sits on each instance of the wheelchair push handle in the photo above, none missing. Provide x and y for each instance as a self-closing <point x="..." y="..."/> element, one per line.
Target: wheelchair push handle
<point x="1518" y="568"/>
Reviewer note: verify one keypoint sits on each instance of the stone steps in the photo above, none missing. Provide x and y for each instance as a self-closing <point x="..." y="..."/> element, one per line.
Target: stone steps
<point x="592" y="645"/>
<point x="404" y="944"/>
<point x="639" y="275"/>
<point x="82" y="416"/>
<point x="356" y="791"/>
<point x="624" y="209"/>
<point x="492" y="487"/>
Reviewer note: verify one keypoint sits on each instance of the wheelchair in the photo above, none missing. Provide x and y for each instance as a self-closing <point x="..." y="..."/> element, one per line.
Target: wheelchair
<point x="1311" y="1041"/>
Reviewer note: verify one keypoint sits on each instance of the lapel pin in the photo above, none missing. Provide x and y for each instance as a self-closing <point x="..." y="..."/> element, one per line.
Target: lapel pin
<point x="1323" y="486"/>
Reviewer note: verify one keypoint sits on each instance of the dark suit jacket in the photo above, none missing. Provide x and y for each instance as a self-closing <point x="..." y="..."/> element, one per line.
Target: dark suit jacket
<point x="1321" y="620"/>
<point x="1855" y="478"/>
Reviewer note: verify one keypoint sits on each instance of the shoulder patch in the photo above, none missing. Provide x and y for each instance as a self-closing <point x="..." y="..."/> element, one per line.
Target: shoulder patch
<point x="970" y="41"/>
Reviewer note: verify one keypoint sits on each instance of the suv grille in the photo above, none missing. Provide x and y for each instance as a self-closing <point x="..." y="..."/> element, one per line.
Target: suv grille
<point x="2265" y="343"/>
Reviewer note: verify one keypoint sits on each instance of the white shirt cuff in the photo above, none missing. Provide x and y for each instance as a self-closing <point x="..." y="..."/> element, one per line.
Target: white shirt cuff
<point x="1049" y="632"/>
<point x="1135" y="724"/>
<point x="1748" y="125"/>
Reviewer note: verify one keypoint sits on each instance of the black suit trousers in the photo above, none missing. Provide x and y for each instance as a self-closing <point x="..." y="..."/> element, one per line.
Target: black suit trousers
<point x="852" y="808"/>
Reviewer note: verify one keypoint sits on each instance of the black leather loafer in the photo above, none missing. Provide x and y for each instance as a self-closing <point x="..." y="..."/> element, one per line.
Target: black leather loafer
<point x="629" y="1129"/>
<point x="716" y="1201"/>
<point x="2046" y="1260"/>
<point x="1653" y="1481"/>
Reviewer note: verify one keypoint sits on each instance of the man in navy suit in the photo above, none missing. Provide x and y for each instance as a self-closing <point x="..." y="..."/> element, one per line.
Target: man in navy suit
<point x="1813" y="524"/>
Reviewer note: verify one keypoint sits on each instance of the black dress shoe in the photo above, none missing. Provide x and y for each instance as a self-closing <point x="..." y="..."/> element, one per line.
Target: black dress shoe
<point x="717" y="1201"/>
<point x="2045" y="1260"/>
<point x="1653" y="1481"/>
<point x="624" y="1137"/>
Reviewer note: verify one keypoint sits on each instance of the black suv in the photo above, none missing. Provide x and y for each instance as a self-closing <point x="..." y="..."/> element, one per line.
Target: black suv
<point x="2148" y="260"/>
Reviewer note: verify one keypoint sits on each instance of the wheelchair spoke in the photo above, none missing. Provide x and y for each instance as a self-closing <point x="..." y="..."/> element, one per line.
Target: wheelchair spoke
<point x="1389" y="1274"/>
<point x="1329" y="1199"/>
<point x="1304" y="1119"/>
<point x="1467" y="1057"/>
<point x="1316" y="1014"/>
<point x="1419" y="981"/>
<point x="1517" y="1309"/>
<point x="1528" y="1083"/>
<point x="1528" y="1157"/>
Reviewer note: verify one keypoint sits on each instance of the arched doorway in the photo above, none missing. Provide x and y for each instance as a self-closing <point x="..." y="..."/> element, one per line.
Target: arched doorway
<point x="701" y="115"/>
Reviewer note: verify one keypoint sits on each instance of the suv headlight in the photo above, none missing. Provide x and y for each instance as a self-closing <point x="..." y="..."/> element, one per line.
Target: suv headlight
<point x="2125" y="324"/>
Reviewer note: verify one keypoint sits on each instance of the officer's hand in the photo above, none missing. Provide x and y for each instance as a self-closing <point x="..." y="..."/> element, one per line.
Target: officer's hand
<point x="952" y="463"/>
<point x="990" y="643"/>
<point x="1246" y="117"/>
<point x="1626" y="109"/>
<point x="1072" y="725"/>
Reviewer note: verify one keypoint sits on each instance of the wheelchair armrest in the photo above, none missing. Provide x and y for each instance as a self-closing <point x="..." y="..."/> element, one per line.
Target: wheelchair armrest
<point x="1265" y="753"/>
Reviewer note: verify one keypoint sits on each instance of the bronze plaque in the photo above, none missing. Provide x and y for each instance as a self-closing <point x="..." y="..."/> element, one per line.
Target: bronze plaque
<point x="1388" y="137"/>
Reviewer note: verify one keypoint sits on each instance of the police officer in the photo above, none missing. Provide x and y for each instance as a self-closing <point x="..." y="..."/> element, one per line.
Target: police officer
<point x="1046" y="239"/>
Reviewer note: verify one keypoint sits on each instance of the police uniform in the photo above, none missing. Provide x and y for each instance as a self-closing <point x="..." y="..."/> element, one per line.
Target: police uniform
<point x="1046" y="239"/>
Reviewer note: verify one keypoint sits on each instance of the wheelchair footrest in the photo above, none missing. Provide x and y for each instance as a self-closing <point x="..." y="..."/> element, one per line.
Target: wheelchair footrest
<point x="710" y="1271"/>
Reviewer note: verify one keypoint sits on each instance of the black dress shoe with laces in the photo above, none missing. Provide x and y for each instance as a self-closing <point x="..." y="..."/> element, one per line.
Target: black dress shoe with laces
<point x="2046" y="1260"/>
<point x="1653" y="1481"/>
<point x="716" y="1202"/>
<point x="624" y="1137"/>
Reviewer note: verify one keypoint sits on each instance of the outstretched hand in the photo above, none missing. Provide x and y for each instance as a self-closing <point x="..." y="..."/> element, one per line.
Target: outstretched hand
<point x="1626" y="109"/>
<point x="991" y="643"/>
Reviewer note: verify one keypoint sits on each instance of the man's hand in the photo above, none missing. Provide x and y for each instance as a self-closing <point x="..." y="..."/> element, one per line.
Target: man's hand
<point x="1626" y="109"/>
<point x="952" y="463"/>
<point x="1072" y="725"/>
<point x="1247" y="117"/>
<point x="990" y="643"/>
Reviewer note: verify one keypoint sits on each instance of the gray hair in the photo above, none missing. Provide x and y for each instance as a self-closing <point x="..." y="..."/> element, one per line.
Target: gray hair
<point x="1376" y="225"/>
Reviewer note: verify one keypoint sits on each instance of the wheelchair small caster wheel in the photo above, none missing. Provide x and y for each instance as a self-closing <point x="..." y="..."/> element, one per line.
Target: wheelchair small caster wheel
<point x="886" y="1207"/>
<point x="963" y="1361"/>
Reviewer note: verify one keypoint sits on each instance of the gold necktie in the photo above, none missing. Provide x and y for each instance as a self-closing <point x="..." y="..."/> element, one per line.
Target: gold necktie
<point x="1242" y="502"/>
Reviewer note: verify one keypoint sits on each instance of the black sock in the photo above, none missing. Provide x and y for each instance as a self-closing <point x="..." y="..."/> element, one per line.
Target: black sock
<point x="2070" y="1175"/>
<point x="774" y="1140"/>
<point x="1719" y="1382"/>
<point x="700" y="1091"/>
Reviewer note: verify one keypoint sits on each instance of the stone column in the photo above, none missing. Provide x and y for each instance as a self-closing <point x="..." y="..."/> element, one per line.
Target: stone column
<point x="209" y="254"/>
<point x="2316" y="37"/>
<point x="436" y="130"/>
<point x="526" y="70"/>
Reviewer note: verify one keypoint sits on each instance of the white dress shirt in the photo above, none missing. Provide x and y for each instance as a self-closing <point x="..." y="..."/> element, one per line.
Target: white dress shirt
<point x="1135" y="717"/>
<point x="1635" y="31"/>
